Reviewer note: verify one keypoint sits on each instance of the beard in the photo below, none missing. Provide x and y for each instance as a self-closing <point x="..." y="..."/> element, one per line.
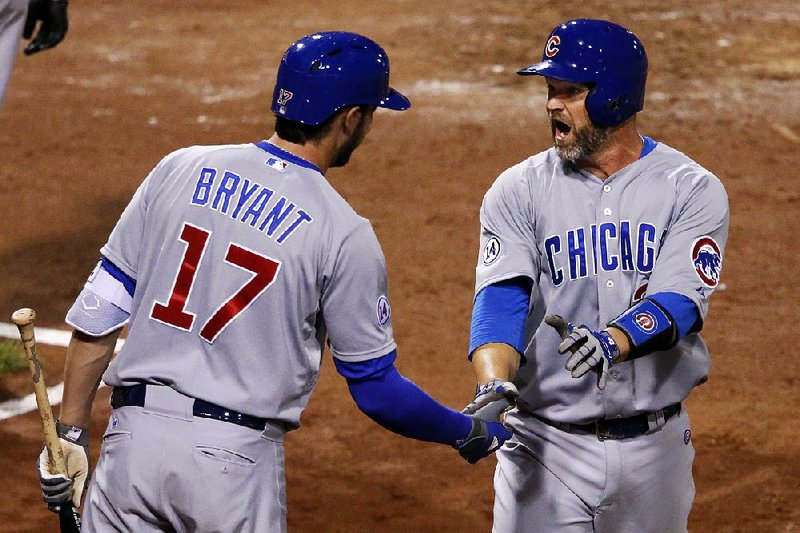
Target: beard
<point x="588" y="139"/>
<point x="347" y="149"/>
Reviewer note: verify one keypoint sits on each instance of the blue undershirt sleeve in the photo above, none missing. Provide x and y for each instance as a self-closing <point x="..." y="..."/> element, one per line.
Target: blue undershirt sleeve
<point x="499" y="313"/>
<point x="682" y="310"/>
<point x="398" y="404"/>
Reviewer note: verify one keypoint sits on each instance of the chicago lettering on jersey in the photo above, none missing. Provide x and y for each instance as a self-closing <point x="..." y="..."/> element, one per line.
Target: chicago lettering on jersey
<point x="605" y="247"/>
<point x="249" y="203"/>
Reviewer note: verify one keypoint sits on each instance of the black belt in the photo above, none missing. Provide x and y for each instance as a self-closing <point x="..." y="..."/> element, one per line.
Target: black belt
<point x="134" y="396"/>
<point x="617" y="428"/>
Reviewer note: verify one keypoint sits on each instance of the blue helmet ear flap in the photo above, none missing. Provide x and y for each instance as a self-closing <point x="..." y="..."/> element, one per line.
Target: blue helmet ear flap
<point x="324" y="72"/>
<point x="603" y="54"/>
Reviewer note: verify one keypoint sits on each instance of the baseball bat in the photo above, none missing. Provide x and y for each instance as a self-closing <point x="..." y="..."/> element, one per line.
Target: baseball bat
<point x="69" y="518"/>
<point x="558" y="323"/>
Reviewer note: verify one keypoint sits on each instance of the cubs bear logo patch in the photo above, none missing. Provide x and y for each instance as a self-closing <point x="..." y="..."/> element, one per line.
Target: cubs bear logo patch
<point x="707" y="260"/>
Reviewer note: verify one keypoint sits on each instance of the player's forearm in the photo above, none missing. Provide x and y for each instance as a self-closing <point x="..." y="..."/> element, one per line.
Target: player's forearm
<point x="87" y="359"/>
<point x="495" y="360"/>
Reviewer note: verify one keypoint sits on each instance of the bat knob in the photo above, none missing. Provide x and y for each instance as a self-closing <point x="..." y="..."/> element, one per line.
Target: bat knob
<point x="558" y="323"/>
<point x="24" y="316"/>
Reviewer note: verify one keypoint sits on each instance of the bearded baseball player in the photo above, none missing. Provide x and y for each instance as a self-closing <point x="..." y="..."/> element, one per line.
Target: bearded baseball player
<point x="232" y="265"/>
<point x="19" y="18"/>
<point x="597" y="261"/>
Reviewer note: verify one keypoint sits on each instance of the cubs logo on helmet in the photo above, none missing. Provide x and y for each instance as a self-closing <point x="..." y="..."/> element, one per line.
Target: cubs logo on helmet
<point x="707" y="260"/>
<point x="551" y="48"/>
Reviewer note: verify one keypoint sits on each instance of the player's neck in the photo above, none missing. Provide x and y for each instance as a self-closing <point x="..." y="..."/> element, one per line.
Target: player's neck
<point x="315" y="154"/>
<point x="623" y="147"/>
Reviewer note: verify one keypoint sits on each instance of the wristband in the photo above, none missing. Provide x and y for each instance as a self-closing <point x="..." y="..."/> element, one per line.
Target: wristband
<point x="74" y="434"/>
<point x="608" y="345"/>
<point x="648" y="326"/>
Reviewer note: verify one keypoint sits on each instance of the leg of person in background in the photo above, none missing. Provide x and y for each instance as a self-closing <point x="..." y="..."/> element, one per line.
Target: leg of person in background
<point x="12" y="20"/>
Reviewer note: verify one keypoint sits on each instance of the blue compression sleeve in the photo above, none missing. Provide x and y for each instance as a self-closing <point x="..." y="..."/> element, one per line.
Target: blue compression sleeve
<point x="682" y="310"/>
<point x="400" y="405"/>
<point x="499" y="314"/>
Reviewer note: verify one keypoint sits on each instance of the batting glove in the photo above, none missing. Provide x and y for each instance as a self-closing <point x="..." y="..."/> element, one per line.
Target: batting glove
<point x="60" y="488"/>
<point x="483" y="439"/>
<point x="492" y="400"/>
<point x="589" y="348"/>
<point x="53" y="29"/>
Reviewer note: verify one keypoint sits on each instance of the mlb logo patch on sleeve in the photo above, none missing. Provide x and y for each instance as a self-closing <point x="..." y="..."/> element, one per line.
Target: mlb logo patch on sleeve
<point x="707" y="260"/>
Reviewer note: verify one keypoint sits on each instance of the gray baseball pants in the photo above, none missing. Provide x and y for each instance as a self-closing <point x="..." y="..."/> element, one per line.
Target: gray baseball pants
<point x="163" y="469"/>
<point x="550" y="480"/>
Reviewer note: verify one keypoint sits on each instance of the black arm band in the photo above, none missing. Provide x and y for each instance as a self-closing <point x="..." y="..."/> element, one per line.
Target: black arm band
<point x="648" y="326"/>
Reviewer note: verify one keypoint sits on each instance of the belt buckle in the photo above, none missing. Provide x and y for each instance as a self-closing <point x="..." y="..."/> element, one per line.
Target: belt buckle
<point x="602" y="430"/>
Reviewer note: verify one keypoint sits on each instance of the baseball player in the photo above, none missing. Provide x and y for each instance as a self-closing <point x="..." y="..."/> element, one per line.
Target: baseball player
<point x="615" y="240"/>
<point x="232" y="265"/>
<point x="18" y="18"/>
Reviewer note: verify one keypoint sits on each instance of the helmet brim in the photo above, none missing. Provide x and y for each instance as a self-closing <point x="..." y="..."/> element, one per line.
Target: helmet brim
<point x="394" y="100"/>
<point x="556" y="71"/>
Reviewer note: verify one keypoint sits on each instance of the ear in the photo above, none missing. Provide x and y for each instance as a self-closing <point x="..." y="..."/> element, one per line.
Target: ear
<point x="351" y="118"/>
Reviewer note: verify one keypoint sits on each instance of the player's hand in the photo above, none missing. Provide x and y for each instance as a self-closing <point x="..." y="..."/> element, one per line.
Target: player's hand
<point x="53" y="27"/>
<point x="483" y="439"/>
<point x="59" y="488"/>
<point x="492" y="400"/>
<point x="589" y="349"/>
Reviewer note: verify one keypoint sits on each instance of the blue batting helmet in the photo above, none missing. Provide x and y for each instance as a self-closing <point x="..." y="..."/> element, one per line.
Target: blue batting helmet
<point x="324" y="72"/>
<point x="604" y="55"/>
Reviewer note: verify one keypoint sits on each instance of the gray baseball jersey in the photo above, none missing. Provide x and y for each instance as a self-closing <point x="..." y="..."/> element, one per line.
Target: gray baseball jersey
<point x="245" y="258"/>
<point x="592" y="248"/>
<point x="12" y="20"/>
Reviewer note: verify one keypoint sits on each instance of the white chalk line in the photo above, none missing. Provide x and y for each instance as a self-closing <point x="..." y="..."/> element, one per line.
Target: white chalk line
<point x="53" y="337"/>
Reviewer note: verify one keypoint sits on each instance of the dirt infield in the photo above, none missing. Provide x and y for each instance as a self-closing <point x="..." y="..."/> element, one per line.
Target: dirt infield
<point x="83" y="125"/>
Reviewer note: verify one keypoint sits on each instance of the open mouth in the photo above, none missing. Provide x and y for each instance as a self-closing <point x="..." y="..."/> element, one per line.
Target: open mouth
<point x="560" y="129"/>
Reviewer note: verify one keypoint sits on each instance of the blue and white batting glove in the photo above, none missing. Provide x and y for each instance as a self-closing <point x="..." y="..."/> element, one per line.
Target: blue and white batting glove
<point x="484" y="438"/>
<point x="589" y="348"/>
<point x="492" y="400"/>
